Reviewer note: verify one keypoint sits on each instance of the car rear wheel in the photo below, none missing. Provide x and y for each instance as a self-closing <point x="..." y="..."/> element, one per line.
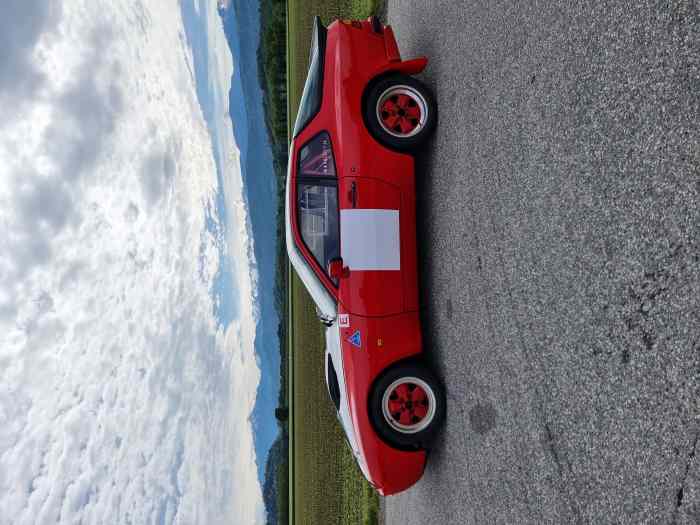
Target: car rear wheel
<point x="400" y="112"/>
<point x="407" y="406"/>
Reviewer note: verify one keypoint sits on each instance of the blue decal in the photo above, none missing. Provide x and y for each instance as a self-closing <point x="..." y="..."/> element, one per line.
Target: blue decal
<point x="355" y="339"/>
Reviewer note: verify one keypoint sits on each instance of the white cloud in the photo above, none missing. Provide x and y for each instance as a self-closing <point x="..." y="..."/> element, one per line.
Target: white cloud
<point x="121" y="400"/>
<point x="22" y="24"/>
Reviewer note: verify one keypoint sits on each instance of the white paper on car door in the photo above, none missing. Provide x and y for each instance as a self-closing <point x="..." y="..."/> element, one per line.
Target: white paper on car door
<point x="370" y="239"/>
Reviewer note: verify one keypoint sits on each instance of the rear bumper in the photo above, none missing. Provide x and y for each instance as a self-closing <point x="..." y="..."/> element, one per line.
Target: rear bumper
<point x="391" y="47"/>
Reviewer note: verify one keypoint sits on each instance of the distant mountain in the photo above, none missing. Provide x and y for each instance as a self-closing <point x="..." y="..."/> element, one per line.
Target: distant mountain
<point x="241" y="23"/>
<point x="276" y="459"/>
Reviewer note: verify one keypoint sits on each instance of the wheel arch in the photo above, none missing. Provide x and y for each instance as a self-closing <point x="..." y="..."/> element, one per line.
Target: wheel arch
<point x="405" y="67"/>
<point x="405" y="144"/>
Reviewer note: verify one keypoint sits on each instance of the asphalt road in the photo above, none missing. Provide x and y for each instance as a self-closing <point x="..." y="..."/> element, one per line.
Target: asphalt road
<point x="559" y="235"/>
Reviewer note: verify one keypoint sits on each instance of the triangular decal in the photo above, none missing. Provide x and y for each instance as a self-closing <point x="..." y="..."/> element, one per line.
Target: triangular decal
<point x="356" y="339"/>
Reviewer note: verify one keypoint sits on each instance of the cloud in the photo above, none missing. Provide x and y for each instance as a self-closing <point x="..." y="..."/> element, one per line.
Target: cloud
<point x="122" y="398"/>
<point x="83" y="117"/>
<point x="22" y="24"/>
<point x="43" y="203"/>
<point x="86" y="110"/>
<point x="157" y="173"/>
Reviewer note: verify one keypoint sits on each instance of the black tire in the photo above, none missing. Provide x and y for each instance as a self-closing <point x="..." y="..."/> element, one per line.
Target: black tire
<point x="415" y="435"/>
<point x="396" y="139"/>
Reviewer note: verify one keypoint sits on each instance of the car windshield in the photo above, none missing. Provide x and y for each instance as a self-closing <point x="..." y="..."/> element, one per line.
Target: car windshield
<point x="313" y="88"/>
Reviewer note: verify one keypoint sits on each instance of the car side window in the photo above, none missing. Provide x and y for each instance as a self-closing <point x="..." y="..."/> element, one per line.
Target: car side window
<point x="316" y="158"/>
<point x="310" y="103"/>
<point x="318" y="220"/>
<point x="317" y="200"/>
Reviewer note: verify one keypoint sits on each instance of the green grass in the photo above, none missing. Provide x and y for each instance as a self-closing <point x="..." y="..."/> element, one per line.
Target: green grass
<point x="326" y="486"/>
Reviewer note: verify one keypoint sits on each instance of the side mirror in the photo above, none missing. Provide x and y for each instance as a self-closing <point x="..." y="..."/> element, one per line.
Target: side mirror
<point x="336" y="270"/>
<point x="326" y="321"/>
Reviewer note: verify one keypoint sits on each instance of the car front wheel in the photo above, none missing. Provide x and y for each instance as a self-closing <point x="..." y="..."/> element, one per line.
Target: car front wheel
<point x="407" y="406"/>
<point x="400" y="112"/>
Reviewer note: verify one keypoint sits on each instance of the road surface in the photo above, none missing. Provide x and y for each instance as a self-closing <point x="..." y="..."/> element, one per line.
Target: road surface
<point x="559" y="237"/>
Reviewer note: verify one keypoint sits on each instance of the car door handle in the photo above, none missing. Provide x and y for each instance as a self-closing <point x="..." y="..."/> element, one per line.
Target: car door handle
<point x="353" y="194"/>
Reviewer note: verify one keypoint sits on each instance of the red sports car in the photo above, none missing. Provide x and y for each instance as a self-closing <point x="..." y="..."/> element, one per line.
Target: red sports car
<point x="351" y="221"/>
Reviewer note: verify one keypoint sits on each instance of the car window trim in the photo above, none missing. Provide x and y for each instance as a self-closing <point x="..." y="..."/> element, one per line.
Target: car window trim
<point x="322" y="292"/>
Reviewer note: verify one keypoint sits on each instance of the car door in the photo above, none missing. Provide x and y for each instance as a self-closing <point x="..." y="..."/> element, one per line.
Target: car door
<point x="370" y="246"/>
<point x="316" y="207"/>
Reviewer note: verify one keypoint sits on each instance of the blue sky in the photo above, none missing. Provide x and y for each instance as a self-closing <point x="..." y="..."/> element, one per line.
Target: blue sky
<point x="129" y="286"/>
